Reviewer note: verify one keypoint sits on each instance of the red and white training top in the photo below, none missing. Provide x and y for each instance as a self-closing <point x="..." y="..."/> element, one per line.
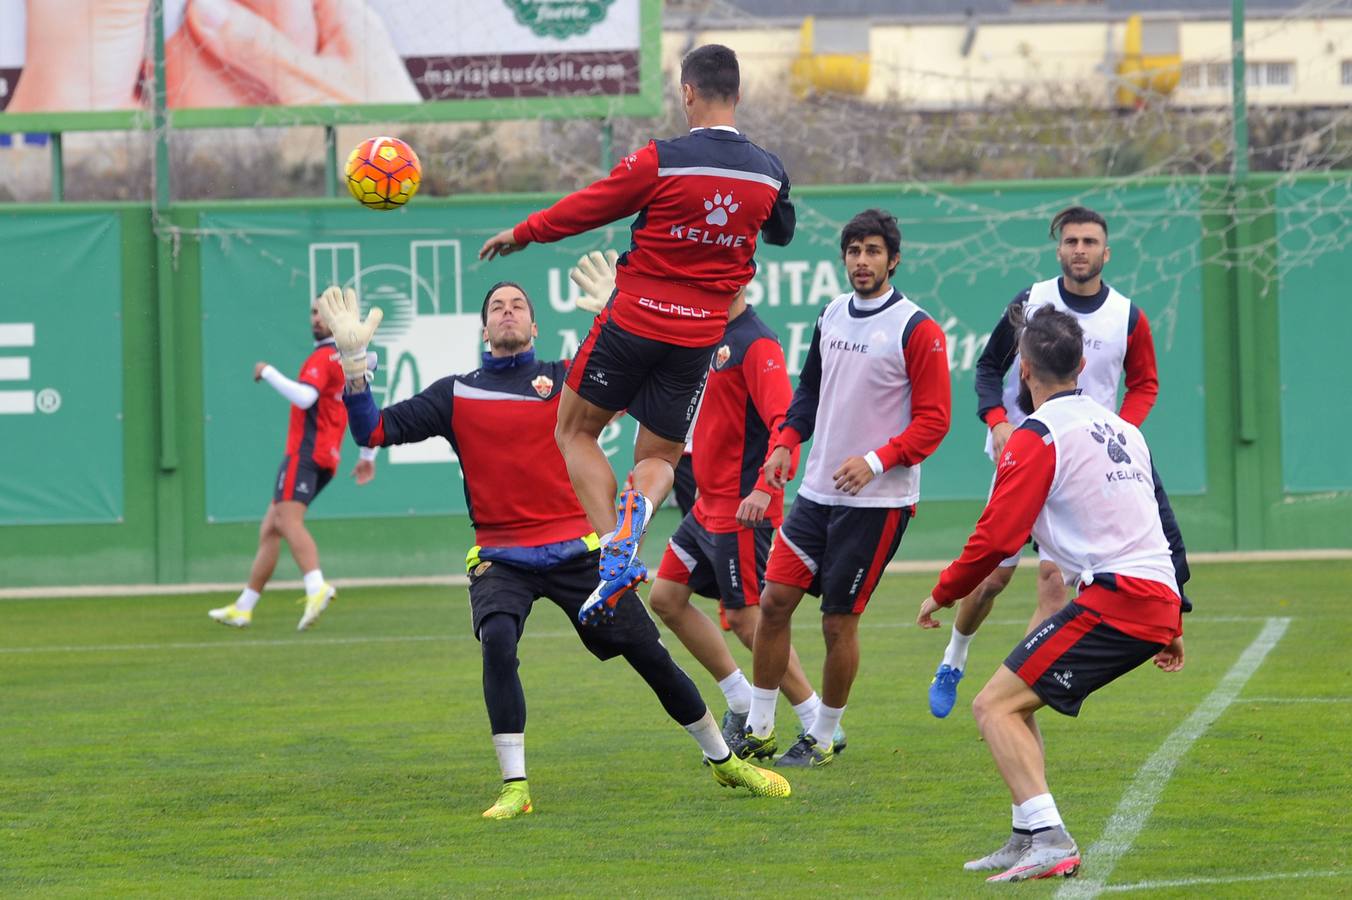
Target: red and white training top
<point x="875" y="384"/>
<point x="1078" y="477"/>
<point x="1117" y="343"/>
<point x="701" y="201"/>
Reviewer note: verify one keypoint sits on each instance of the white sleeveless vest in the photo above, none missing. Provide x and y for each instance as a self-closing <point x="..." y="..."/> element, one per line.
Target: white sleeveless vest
<point x="1105" y="348"/>
<point x="864" y="401"/>
<point x="1101" y="514"/>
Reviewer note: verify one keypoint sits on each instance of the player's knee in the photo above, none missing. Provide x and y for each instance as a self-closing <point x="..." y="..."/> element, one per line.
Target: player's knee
<point x="498" y="638"/>
<point x="837" y="627"/>
<point x="743" y="623"/>
<point x="666" y="601"/>
<point x="981" y="708"/>
<point x="776" y="606"/>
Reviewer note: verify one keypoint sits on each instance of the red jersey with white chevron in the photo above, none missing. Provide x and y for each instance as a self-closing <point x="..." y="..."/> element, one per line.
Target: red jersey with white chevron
<point x="701" y="200"/>
<point x="745" y="400"/>
<point x="500" y="421"/>
<point x="1078" y="478"/>
<point x="317" y="433"/>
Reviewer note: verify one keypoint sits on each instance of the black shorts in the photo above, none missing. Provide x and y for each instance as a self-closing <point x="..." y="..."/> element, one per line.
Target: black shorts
<point x="727" y="567"/>
<point x="836" y="552"/>
<point x="683" y="489"/>
<point x="500" y="587"/>
<point x="659" y="384"/>
<point x="300" y="479"/>
<point x="1074" y="653"/>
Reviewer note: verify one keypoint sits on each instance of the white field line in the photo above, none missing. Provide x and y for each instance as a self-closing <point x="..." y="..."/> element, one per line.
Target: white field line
<point x="896" y="567"/>
<point x="1294" y="700"/>
<point x="244" y="642"/>
<point x="1230" y="879"/>
<point x="1146" y="788"/>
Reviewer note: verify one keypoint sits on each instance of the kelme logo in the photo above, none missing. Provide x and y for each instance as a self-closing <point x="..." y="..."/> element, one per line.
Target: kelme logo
<point x="559" y="18"/>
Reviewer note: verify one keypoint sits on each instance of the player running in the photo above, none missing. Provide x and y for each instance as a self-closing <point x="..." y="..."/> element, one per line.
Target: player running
<point x="875" y="391"/>
<point x="701" y="199"/>
<point x="1079" y="478"/>
<point x="533" y="539"/>
<point x="318" y="418"/>
<point x="1118" y="345"/>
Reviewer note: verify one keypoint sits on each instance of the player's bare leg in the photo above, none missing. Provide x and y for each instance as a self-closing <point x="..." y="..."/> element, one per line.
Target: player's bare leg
<point x="1051" y="593"/>
<point x="976" y="606"/>
<point x="795" y="683"/>
<point x="269" y="549"/>
<point x="290" y="523"/>
<point x="972" y="611"/>
<point x="578" y="433"/>
<point x="771" y="651"/>
<point x="1004" y="711"/>
<point x="655" y="461"/>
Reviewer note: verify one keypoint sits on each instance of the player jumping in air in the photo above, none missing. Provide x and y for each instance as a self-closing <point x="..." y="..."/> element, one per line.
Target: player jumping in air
<point x="875" y="392"/>
<point x="1117" y="345"/>
<point x="318" y="419"/>
<point x="1079" y="478"/>
<point x="700" y="201"/>
<point x="533" y="540"/>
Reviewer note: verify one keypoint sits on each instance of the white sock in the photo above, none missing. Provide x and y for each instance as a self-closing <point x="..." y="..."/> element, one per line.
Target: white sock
<point x="1020" y="820"/>
<point x="710" y="739"/>
<point x="247" y="600"/>
<point x="314" y="581"/>
<point x="737" y="690"/>
<point x="761" y="718"/>
<point x="956" y="654"/>
<point x="824" y="728"/>
<point x="1040" y="812"/>
<point x="511" y="750"/>
<point x="807" y="711"/>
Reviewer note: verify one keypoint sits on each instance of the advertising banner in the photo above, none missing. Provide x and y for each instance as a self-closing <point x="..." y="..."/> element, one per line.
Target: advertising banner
<point x="240" y="62"/>
<point x="60" y="369"/>
<point x="260" y="270"/>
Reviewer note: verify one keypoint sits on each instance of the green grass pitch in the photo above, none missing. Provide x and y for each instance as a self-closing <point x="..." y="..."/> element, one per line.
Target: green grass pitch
<point x="146" y="751"/>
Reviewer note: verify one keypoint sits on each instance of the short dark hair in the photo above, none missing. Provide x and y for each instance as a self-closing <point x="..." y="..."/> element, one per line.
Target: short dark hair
<point x="713" y="72"/>
<point x="483" y="310"/>
<point x="871" y="223"/>
<point x="1050" y="340"/>
<point x="1076" y="215"/>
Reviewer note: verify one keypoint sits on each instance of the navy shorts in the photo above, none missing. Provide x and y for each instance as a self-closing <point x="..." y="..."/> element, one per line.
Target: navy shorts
<point x="658" y="383"/>
<point x="836" y="552"/>
<point x="300" y="479"/>
<point x="727" y="567"/>
<point x="501" y="587"/>
<point x="1074" y="653"/>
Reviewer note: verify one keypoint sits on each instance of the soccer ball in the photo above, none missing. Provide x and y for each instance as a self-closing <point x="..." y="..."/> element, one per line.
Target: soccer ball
<point x="383" y="173"/>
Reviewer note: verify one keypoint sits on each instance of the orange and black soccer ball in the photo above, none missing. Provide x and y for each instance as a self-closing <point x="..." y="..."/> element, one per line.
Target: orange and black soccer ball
<point x="383" y="173"/>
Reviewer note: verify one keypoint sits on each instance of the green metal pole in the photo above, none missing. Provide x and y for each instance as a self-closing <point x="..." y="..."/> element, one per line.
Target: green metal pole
<point x="607" y="145"/>
<point x="1240" y="113"/>
<point x="170" y="557"/>
<point x="330" y="161"/>
<point x="58" y="168"/>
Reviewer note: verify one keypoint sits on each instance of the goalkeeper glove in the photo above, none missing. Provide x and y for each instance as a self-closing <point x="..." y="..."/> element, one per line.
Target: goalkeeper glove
<point x="595" y="275"/>
<point x="342" y="313"/>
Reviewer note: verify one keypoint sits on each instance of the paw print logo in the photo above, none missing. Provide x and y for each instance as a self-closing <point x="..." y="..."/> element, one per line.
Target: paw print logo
<point x="1116" y="441"/>
<point x="718" y="209"/>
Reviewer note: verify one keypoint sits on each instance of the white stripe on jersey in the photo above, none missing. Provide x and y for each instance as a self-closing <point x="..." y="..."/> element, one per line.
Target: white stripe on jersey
<point x="734" y="174"/>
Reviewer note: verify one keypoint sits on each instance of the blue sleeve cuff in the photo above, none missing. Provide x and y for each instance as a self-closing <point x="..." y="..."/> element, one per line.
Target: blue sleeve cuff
<point x="362" y="415"/>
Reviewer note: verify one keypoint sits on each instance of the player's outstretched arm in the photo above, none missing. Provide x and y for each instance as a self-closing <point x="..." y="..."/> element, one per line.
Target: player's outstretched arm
<point x="342" y="314"/>
<point x="503" y="243"/>
<point x="296" y="393"/>
<point x="594" y="275"/>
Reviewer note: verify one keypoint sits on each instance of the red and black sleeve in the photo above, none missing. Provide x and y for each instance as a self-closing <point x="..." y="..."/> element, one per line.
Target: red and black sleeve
<point x="1023" y="479"/>
<point x="628" y="188"/>
<point x="926" y="352"/>
<point x="1142" y="376"/>
<point x="767" y="384"/>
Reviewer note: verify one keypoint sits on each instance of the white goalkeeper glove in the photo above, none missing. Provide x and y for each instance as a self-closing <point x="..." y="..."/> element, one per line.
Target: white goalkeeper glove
<point x="595" y="275"/>
<point x="342" y="313"/>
